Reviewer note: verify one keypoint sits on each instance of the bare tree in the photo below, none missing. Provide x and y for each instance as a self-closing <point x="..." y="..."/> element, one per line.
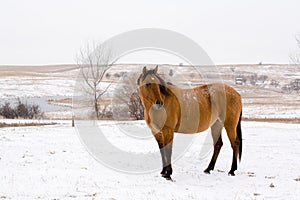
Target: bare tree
<point x="135" y="106"/>
<point x="127" y="98"/>
<point x="94" y="62"/>
<point x="296" y="56"/>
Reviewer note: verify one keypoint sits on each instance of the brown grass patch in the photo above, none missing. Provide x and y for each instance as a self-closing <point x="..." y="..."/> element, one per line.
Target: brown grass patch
<point x="3" y="125"/>
<point x="276" y="120"/>
<point x="60" y="101"/>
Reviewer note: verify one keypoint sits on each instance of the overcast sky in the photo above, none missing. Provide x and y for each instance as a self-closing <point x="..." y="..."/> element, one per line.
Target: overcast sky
<point x="52" y="32"/>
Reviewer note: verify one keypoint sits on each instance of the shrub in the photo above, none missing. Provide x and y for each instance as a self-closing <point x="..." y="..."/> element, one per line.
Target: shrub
<point x="136" y="108"/>
<point x="7" y="112"/>
<point x="21" y="110"/>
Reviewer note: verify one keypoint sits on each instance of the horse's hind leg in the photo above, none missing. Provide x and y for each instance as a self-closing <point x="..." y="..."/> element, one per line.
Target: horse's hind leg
<point x="235" y="143"/>
<point x="216" y="131"/>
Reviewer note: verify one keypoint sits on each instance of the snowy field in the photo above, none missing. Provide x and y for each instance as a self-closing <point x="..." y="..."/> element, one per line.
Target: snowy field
<point x="50" y="162"/>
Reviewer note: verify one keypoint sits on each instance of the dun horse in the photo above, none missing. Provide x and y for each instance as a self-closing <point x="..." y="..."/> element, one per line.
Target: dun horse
<point x="169" y="109"/>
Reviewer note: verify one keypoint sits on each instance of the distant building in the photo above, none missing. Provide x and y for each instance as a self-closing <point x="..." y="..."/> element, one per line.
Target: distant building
<point x="240" y="81"/>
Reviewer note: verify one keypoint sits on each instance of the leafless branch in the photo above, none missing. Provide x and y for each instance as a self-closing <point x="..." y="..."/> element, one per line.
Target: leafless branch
<point x="296" y="56"/>
<point x="93" y="61"/>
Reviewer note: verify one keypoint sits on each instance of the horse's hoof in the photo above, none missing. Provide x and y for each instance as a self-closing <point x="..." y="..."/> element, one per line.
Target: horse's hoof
<point x="231" y="173"/>
<point x="163" y="171"/>
<point x="207" y="171"/>
<point x="168" y="178"/>
<point x="163" y="174"/>
<point x="166" y="175"/>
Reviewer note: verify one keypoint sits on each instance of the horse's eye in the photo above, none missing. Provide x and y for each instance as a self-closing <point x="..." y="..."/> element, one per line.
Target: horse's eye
<point x="148" y="84"/>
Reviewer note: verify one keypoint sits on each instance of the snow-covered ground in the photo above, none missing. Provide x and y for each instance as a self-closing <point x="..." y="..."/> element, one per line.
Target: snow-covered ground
<point x="35" y="87"/>
<point x="50" y="162"/>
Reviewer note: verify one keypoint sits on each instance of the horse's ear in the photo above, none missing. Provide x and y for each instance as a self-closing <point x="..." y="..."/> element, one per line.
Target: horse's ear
<point x="138" y="80"/>
<point x="155" y="69"/>
<point x="144" y="70"/>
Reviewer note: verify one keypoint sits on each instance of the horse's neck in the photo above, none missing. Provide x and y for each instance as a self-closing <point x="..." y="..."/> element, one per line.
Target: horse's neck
<point x="172" y="87"/>
<point x="177" y="91"/>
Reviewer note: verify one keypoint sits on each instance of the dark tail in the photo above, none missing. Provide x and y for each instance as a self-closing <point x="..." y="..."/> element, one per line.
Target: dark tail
<point x="239" y="135"/>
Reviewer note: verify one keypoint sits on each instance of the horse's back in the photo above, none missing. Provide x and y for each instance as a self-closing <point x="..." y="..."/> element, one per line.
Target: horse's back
<point x="202" y="106"/>
<point x="217" y="102"/>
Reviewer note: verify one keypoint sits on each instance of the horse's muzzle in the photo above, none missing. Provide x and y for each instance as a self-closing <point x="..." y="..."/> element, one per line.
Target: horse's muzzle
<point x="158" y="104"/>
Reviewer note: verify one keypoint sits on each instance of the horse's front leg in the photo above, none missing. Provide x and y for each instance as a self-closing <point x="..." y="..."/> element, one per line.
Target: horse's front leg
<point x="168" y="164"/>
<point x="164" y="139"/>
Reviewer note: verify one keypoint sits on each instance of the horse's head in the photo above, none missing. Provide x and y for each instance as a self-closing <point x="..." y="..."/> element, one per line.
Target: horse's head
<point x="152" y="88"/>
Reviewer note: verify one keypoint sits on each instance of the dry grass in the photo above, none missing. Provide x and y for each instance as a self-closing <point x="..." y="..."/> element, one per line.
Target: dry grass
<point x="276" y="120"/>
<point x="3" y="125"/>
<point x="60" y="101"/>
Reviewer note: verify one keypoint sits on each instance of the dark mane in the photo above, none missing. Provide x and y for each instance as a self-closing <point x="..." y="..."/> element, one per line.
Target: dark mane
<point x="149" y="72"/>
